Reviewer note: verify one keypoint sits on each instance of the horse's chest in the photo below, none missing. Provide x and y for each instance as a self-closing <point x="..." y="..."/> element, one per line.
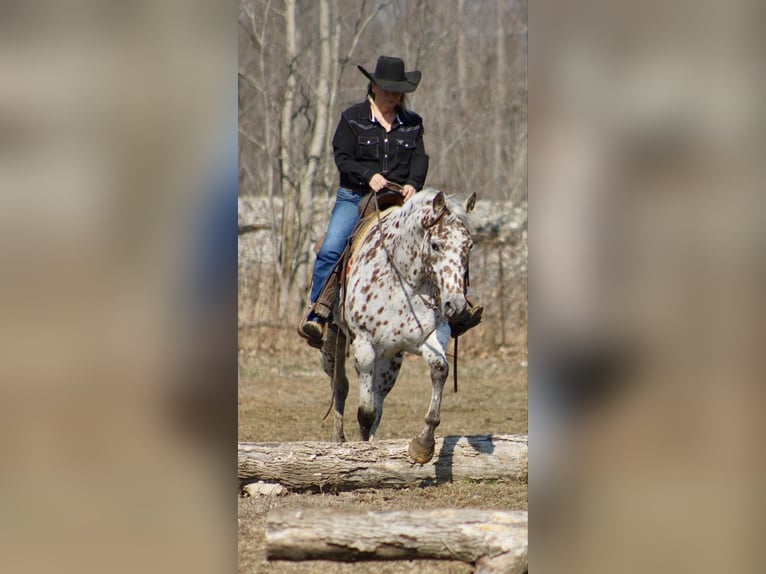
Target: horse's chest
<point x="378" y="304"/>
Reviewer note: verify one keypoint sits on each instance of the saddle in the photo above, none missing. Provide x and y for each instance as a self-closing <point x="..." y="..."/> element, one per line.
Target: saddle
<point x="370" y="204"/>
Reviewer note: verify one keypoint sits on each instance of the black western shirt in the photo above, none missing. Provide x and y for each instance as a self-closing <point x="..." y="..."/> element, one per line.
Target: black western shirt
<point x="363" y="148"/>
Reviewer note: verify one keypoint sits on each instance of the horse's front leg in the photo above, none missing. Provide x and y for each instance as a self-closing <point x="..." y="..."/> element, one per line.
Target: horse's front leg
<point x="433" y="350"/>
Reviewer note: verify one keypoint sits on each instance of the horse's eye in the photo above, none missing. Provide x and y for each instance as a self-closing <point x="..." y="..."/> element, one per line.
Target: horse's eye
<point x="434" y="246"/>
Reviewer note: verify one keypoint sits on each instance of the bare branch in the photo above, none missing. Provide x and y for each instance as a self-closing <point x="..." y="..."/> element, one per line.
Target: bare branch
<point x="251" y="139"/>
<point x="250" y="80"/>
<point x="360" y="27"/>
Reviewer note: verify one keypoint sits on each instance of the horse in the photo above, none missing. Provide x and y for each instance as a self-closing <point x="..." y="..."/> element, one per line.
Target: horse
<point x="404" y="279"/>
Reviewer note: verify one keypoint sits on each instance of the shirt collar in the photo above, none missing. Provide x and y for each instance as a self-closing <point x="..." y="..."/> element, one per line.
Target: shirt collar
<point x="374" y="120"/>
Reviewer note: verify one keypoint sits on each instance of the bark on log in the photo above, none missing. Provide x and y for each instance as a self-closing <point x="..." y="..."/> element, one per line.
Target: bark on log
<point x="383" y="464"/>
<point x="494" y="540"/>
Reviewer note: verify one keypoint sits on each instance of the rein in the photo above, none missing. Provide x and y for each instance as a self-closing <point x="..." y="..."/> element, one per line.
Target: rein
<point x="454" y="368"/>
<point x="393" y="186"/>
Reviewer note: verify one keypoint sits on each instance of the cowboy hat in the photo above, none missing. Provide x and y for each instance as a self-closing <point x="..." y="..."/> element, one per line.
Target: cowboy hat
<point x="390" y="75"/>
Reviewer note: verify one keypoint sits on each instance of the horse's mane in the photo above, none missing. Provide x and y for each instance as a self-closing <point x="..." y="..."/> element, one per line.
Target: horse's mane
<point x="455" y="209"/>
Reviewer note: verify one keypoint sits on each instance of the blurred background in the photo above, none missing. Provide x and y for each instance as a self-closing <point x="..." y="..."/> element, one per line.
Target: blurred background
<point x="646" y="235"/>
<point x="118" y="247"/>
<point x="298" y="72"/>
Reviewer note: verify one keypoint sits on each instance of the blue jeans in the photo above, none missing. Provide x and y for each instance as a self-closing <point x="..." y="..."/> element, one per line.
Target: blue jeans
<point x="344" y="216"/>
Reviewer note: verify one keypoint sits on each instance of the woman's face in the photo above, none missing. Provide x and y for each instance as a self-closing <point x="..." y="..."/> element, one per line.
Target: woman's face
<point x="386" y="101"/>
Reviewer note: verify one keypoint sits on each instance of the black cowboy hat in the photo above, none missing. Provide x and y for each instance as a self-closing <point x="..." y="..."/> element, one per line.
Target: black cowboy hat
<point x="390" y="75"/>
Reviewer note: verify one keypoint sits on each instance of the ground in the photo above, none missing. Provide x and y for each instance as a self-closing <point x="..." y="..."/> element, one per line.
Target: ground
<point x="283" y="396"/>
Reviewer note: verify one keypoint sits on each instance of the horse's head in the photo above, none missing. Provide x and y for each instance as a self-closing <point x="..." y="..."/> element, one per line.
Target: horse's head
<point x="445" y="250"/>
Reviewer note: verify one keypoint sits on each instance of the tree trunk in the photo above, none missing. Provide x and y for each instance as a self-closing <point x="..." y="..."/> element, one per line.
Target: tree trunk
<point x="497" y="540"/>
<point x="287" y="232"/>
<point x="316" y="146"/>
<point x="499" y="172"/>
<point x="288" y="102"/>
<point x="462" y="82"/>
<point x="383" y="464"/>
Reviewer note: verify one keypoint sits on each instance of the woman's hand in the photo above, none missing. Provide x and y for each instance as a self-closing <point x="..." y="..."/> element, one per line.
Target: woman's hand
<point x="378" y="182"/>
<point x="407" y="192"/>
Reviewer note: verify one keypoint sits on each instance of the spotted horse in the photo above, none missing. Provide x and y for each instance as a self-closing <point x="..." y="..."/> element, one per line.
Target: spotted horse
<point x="404" y="280"/>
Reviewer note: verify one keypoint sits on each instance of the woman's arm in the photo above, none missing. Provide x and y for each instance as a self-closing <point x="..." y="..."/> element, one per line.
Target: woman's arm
<point x="418" y="164"/>
<point x="344" y="147"/>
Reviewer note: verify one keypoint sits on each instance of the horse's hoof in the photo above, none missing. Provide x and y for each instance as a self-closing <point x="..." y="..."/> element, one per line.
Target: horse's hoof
<point x="421" y="453"/>
<point x="338" y="438"/>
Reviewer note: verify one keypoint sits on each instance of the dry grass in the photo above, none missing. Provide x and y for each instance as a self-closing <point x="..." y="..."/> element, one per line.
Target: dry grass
<point x="283" y="395"/>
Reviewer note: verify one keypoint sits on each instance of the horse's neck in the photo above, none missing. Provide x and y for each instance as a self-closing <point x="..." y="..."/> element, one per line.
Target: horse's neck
<point x="405" y="248"/>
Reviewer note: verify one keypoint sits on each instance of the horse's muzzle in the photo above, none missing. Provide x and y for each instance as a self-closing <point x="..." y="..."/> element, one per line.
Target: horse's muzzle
<point x="453" y="306"/>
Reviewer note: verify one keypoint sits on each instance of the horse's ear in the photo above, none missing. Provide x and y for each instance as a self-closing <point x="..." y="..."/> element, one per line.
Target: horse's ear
<point x="470" y="203"/>
<point x="439" y="207"/>
<point x="438" y="202"/>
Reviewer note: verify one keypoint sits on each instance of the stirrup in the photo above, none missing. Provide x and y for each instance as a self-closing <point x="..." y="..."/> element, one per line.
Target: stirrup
<point x="468" y="319"/>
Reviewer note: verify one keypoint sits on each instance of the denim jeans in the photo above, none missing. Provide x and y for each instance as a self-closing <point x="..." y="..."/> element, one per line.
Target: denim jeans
<point x="342" y="221"/>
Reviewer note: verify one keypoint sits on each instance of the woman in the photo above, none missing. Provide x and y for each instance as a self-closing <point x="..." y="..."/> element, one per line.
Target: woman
<point x="377" y="142"/>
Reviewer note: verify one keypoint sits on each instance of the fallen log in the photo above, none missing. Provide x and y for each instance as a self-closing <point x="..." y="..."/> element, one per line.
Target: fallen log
<point x="496" y="541"/>
<point x="382" y="464"/>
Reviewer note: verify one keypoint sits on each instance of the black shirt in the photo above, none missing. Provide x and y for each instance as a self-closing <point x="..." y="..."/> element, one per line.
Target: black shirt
<point x="363" y="148"/>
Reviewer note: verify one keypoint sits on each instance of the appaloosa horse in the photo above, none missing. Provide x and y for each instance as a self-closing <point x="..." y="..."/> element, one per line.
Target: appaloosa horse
<point x="405" y="278"/>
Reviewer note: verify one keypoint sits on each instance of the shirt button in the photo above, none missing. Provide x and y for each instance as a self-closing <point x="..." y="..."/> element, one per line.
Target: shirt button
<point x="386" y="140"/>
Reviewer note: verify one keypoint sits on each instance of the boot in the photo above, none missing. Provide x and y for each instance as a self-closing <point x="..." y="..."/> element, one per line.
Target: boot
<point x="313" y="329"/>
<point x="468" y="319"/>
